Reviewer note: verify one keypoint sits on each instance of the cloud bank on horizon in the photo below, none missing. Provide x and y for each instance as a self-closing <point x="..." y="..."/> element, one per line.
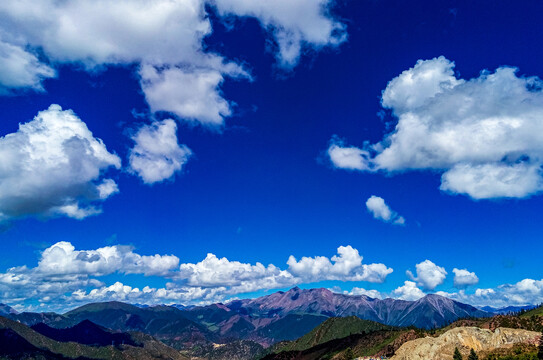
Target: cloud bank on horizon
<point x="66" y="277"/>
<point x="483" y="134"/>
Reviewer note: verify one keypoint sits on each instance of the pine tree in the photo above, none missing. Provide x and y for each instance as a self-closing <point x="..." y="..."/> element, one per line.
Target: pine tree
<point x="473" y="355"/>
<point x="457" y="355"/>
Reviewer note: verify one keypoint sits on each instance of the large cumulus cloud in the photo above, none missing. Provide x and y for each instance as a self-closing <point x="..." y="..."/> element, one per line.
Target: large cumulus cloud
<point x="485" y="135"/>
<point x="52" y="166"/>
<point x="164" y="37"/>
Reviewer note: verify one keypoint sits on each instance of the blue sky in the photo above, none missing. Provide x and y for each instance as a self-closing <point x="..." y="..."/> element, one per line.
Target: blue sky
<point x="271" y="150"/>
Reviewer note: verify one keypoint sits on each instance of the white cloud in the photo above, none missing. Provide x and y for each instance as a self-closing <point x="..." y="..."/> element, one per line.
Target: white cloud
<point x="21" y="69"/>
<point x="164" y="37"/>
<point x="527" y="291"/>
<point x="464" y="278"/>
<point x="429" y="275"/>
<point x="408" y="291"/>
<point x="492" y="180"/>
<point x="23" y="285"/>
<point x="349" y="158"/>
<point x="66" y="275"/>
<point x="62" y="269"/>
<point x="156" y="155"/>
<point x="62" y="259"/>
<point x="375" y="294"/>
<point x="484" y="134"/>
<point x="242" y="277"/>
<point x="414" y="87"/>
<point x="109" y="32"/>
<point x="524" y="292"/>
<point x="160" y="34"/>
<point x="346" y="266"/>
<point x="380" y="210"/>
<point x="54" y="166"/>
<point x="191" y="94"/>
<point x="147" y="295"/>
<point x="294" y="24"/>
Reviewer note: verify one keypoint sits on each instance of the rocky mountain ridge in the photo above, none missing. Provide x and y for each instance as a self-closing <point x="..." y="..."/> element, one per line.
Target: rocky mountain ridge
<point x="430" y="311"/>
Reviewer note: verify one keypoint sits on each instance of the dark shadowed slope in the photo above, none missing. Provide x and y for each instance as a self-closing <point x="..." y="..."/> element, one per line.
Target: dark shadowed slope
<point x="159" y="321"/>
<point x="14" y="346"/>
<point x="86" y="332"/>
<point x="21" y="342"/>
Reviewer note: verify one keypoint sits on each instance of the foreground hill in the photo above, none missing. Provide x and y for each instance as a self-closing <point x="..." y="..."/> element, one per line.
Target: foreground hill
<point x="538" y="311"/>
<point x="483" y="341"/>
<point x="18" y="341"/>
<point x="335" y="335"/>
<point x="331" y="329"/>
<point x="376" y="344"/>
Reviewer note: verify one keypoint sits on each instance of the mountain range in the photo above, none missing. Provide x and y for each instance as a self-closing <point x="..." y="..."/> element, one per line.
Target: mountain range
<point x="264" y="320"/>
<point x="304" y="324"/>
<point x="507" y="309"/>
<point x="428" y="312"/>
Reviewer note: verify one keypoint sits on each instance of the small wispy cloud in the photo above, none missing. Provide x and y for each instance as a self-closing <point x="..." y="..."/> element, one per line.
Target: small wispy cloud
<point x="380" y="210"/>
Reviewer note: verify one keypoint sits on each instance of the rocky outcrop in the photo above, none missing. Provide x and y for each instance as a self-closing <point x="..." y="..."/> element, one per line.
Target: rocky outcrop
<point x="465" y="338"/>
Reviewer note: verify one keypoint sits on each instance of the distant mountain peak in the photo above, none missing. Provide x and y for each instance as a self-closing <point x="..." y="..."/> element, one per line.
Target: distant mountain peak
<point x="428" y="312"/>
<point x="99" y="306"/>
<point x="7" y="310"/>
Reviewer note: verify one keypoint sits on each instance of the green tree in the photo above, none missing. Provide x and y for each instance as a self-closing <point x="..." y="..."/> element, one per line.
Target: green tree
<point x="473" y="355"/>
<point x="457" y="355"/>
<point x="348" y="354"/>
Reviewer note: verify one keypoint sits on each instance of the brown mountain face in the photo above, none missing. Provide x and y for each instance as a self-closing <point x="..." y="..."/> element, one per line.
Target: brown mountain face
<point x="431" y="311"/>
